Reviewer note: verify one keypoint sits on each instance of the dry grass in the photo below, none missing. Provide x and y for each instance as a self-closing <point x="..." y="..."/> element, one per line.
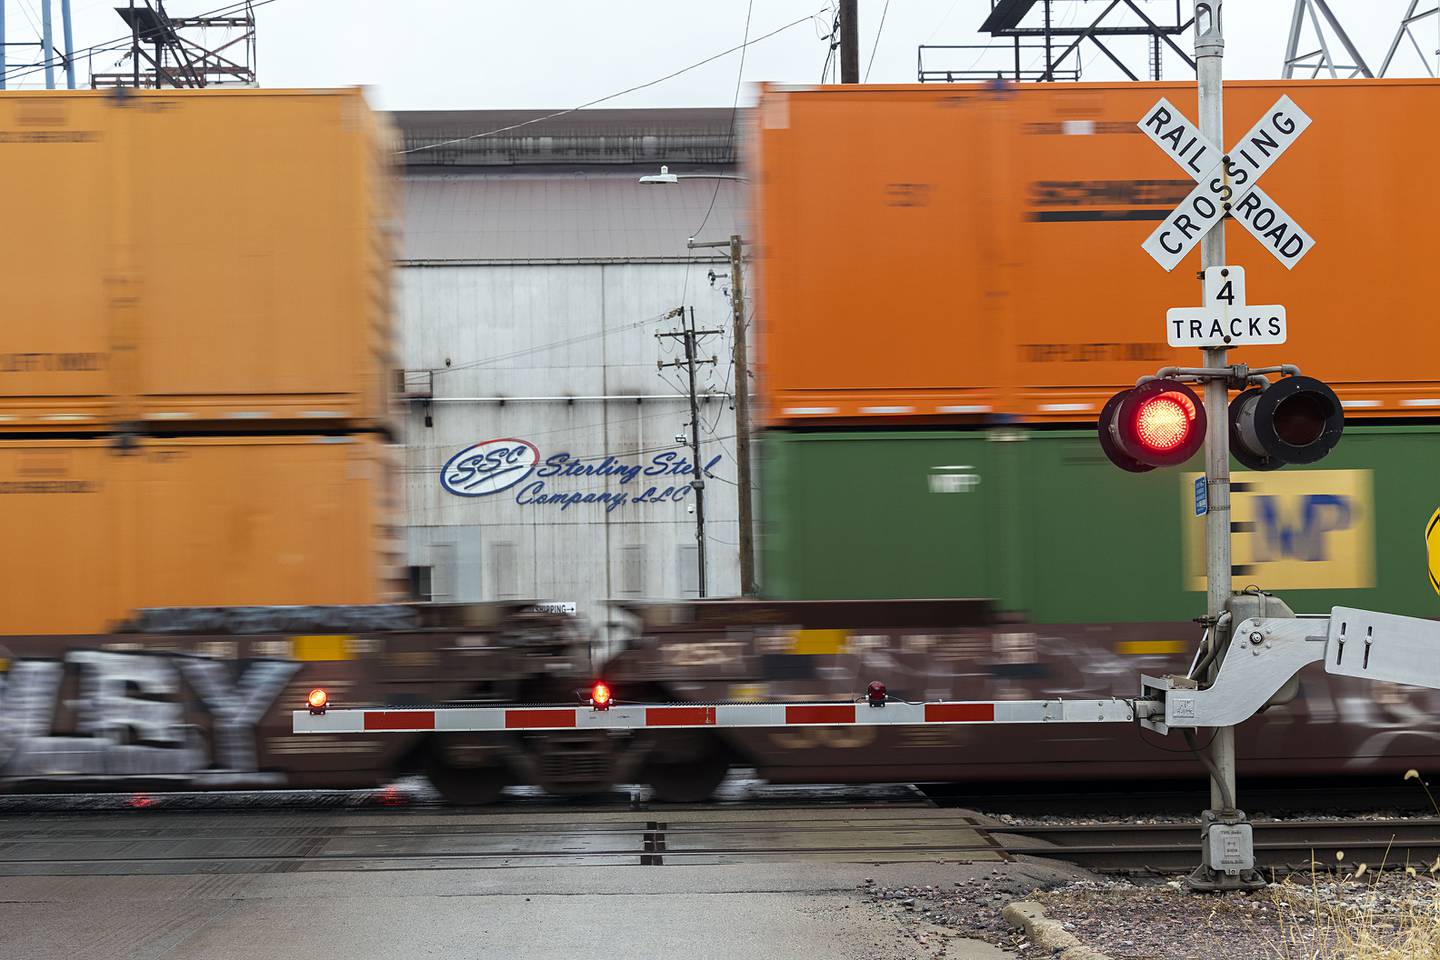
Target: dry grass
<point x="1400" y="922"/>
<point x="1363" y="914"/>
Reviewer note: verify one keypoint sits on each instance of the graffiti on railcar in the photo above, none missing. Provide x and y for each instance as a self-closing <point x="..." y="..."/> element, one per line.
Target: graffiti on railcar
<point x="132" y="714"/>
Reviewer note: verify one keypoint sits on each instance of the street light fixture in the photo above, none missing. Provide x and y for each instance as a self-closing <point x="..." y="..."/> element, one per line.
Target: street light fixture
<point x="665" y="176"/>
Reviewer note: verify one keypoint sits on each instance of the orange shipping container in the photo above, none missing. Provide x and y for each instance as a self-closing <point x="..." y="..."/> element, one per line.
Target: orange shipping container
<point x="216" y="255"/>
<point x="94" y="533"/>
<point x="933" y="253"/>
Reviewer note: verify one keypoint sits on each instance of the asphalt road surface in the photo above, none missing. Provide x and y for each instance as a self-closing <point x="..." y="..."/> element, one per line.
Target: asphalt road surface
<point x="732" y="881"/>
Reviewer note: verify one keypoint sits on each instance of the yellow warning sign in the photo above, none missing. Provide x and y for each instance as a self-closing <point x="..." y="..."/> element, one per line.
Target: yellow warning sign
<point x="1432" y="549"/>
<point x="1292" y="530"/>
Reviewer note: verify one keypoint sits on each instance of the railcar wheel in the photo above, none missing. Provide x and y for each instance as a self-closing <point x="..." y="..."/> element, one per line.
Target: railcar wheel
<point x="686" y="774"/>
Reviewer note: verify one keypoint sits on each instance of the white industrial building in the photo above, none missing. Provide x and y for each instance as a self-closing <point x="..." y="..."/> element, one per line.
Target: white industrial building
<point x="544" y="454"/>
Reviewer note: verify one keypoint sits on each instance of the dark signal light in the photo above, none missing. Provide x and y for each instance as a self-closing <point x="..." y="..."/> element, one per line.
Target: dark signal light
<point x="1160" y="423"/>
<point x="1294" y="420"/>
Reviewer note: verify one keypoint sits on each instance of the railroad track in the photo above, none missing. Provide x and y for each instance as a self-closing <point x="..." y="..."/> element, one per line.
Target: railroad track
<point x="1286" y="845"/>
<point x="827" y="827"/>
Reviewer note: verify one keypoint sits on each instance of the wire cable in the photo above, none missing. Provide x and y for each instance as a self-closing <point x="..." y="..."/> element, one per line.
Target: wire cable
<point x="734" y="106"/>
<point x="880" y="30"/>
<point x="831" y="44"/>
<point x="943" y="20"/>
<point x="552" y="345"/>
<point x="1202" y="754"/>
<point x="612" y="96"/>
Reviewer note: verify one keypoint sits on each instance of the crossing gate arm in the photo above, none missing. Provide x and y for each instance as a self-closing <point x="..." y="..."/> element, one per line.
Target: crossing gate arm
<point x="443" y="719"/>
<point x="1263" y="656"/>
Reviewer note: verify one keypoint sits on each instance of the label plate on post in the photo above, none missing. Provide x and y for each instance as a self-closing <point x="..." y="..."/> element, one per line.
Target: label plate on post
<point x="1202" y="497"/>
<point x="1225" y="320"/>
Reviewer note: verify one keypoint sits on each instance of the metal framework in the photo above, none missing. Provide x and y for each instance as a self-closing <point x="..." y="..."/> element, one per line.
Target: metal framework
<point x="1403" y="32"/>
<point x="168" y="51"/>
<point x="1319" y="16"/>
<point x="1320" y="60"/>
<point x="50" y="57"/>
<point x="1059" y="45"/>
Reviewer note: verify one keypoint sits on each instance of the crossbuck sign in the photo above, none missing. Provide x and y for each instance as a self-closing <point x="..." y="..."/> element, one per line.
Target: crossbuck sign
<point x="1226" y="183"/>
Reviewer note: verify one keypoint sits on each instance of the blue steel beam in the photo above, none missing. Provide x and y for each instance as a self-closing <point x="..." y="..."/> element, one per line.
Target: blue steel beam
<point x="47" y="44"/>
<point x="69" y="43"/>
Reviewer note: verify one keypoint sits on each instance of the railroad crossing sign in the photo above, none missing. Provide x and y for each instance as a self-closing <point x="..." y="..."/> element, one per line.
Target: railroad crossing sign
<point x="1226" y="320"/>
<point x="1226" y="183"/>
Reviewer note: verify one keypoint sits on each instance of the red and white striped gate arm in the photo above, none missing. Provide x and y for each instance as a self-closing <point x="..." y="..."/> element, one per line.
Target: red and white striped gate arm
<point x="671" y="716"/>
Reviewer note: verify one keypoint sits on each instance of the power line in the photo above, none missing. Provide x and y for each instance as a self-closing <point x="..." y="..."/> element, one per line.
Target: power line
<point x="554" y="344"/>
<point x="943" y="20"/>
<point x="734" y="105"/>
<point x="830" y="45"/>
<point x="884" y="10"/>
<point x="641" y="421"/>
<point x="585" y="106"/>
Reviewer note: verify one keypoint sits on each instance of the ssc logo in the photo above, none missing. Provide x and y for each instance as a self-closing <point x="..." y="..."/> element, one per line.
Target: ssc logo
<point x="489" y="467"/>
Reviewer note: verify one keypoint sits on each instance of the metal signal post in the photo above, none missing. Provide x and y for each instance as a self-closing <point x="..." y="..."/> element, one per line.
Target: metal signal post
<point x="1209" y="57"/>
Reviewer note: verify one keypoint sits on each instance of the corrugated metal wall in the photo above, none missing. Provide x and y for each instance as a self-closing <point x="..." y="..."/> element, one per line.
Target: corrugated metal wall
<point x="563" y="328"/>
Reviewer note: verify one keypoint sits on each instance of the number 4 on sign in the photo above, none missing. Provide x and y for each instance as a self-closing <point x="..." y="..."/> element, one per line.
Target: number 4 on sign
<point x="1226" y="320"/>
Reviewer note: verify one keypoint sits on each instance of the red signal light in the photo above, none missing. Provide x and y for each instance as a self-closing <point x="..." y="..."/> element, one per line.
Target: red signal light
<point x="318" y="700"/>
<point x="1160" y="423"/>
<point x="875" y="694"/>
<point x="600" y="696"/>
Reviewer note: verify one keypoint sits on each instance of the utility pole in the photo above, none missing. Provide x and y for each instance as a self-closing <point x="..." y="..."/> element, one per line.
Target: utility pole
<point x="740" y="356"/>
<point x="849" y="41"/>
<point x="690" y="337"/>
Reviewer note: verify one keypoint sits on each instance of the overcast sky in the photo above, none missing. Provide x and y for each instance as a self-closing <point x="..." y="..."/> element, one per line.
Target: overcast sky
<point x="459" y="54"/>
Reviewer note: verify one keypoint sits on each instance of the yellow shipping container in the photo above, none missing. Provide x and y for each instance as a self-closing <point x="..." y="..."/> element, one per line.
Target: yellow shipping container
<point x="194" y="256"/>
<point x="94" y="532"/>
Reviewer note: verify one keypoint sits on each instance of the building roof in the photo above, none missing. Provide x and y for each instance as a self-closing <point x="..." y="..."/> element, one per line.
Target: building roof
<point x="577" y="138"/>
<point x="607" y="215"/>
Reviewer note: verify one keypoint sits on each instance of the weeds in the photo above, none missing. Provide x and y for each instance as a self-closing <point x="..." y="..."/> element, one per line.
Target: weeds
<point x="1365" y="914"/>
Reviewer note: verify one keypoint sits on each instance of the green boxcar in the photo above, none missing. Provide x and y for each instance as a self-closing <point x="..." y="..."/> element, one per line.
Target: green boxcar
<point x="1040" y="521"/>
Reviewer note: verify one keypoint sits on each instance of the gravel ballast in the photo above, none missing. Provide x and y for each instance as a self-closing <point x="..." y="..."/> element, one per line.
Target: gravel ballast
<point x="1160" y="920"/>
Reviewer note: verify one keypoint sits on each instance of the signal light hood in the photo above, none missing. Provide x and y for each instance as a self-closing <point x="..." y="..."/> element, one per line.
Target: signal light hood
<point x="1295" y="420"/>
<point x="1159" y="423"/>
